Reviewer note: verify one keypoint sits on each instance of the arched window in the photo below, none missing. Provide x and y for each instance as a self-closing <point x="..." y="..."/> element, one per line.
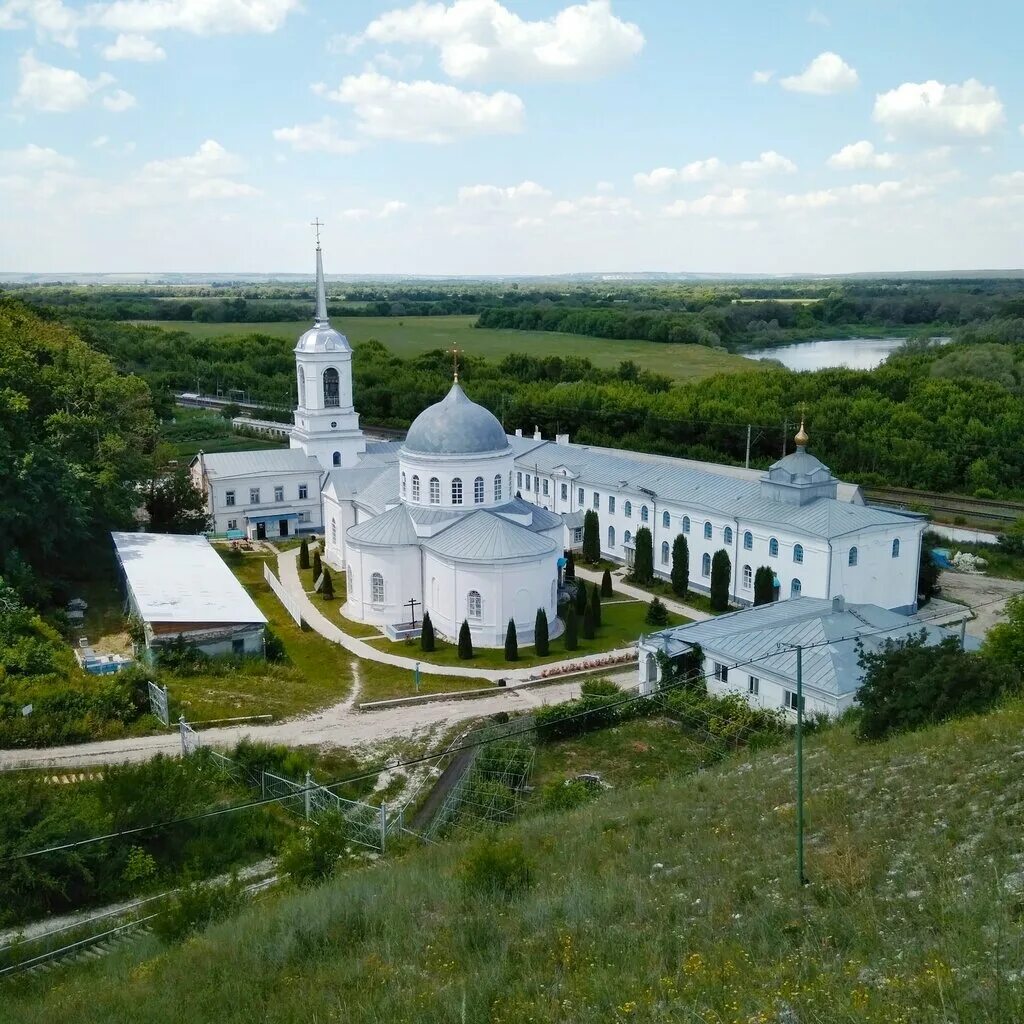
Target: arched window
<point x="686" y="524"/>
<point x="627" y="537"/>
<point x="474" y="605"/>
<point x="896" y="548"/>
<point x="794" y="588"/>
<point x="773" y="548"/>
<point x="705" y="565"/>
<point x="403" y="485"/>
<point x="457" y="491"/>
<point x="852" y="560"/>
<point x="748" y="577"/>
<point x="707" y="531"/>
<point x="643" y="514"/>
<point x="664" y="552"/>
<point x="332" y="394"/>
<point x="377" y="588"/>
<point x="302" y="388"/>
<point x="497" y="487"/>
<point x="627" y="510"/>
<point x="435" y="491"/>
<point x="666" y="520"/>
<point x="478" y="491"/>
<point x="415" y="488"/>
<point x="748" y="541"/>
<point x="611" y="536"/>
<point x="334" y="531"/>
<point x="727" y="535"/>
<point x="798" y="554"/>
<point x="510" y="491"/>
<point x="336" y="459"/>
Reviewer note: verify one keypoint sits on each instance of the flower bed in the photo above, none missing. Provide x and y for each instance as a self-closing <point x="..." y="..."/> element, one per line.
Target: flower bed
<point x="565" y="668"/>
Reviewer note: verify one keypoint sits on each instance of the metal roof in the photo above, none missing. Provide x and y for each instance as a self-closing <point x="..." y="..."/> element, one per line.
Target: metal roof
<point x="221" y="465"/>
<point x="392" y="528"/>
<point x="832" y="668"/>
<point x="455" y="426"/>
<point x="540" y="518"/>
<point x="483" y="536"/>
<point x="182" y="579"/>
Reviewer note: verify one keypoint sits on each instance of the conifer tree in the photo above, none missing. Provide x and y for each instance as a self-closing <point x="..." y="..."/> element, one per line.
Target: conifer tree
<point x="570" y="566"/>
<point x="571" y="629"/>
<point x="643" y="560"/>
<point x="465" y="641"/>
<point x="680" y="566"/>
<point x="427" y="642"/>
<point x="606" y="584"/>
<point x="591" y="537"/>
<point x="657" y="613"/>
<point x="581" y="596"/>
<point x="511" y="642"/>
<point x="595" y="605"/>
<point x="588" y="623"/>
<point x="764" y="585"/>
<point x="318" y="567"/>
<point x="327" y="589"/>
<point x="540" y="632"/>
<point x="304" y="554"/>
<point x="721" y="571"/>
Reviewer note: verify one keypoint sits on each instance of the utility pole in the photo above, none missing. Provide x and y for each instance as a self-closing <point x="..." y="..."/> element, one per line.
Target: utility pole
<point x="800" y="877"/>
<point x="747" y="462"/>
<point x="785" y="436"/>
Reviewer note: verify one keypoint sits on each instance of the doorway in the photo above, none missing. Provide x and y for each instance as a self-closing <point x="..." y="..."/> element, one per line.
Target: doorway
<point x="261" y="531"/>
<point x="283" y="527"/>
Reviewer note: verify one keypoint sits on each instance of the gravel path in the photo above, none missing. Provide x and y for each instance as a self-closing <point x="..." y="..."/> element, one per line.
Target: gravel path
<point x="977" y="592"/>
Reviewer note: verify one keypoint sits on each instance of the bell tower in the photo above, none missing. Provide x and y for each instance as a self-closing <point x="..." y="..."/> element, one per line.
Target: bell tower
<point x="326" y="423"/>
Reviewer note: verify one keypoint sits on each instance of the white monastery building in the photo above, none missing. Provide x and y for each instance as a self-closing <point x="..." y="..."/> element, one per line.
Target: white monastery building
<point x="469" y="524"/>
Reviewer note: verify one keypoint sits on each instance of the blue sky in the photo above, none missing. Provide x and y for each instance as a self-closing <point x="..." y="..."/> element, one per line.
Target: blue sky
<point x="480" y="137"/>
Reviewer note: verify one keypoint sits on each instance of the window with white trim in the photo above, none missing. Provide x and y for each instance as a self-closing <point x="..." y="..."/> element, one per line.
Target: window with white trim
<point x="721" y="672"/>
<point x="611" y="536"/>
<point x="415" y="488"/>
<point x="435" y="491"/>
<point x="376" y="588"/>
<point x="666" y="520"/>
<point x="664" y="552"/>
<point x="254" y="495"/>
<point x="705" y="565"/>
<point x="304" y="517"/>
<point x="478" y="491"/>
<point x="852" y="559"/>
<point x="403" y="485"/>
<point x="727" y="535"/>
<point x="798" y="553"/>
<point x="304" y="491"/>
<point x="544" y="488"/>
<point x="753" y="686"/>
<point x="627" y="510"/>
<point x="519" y="480"/>
<point x="707" y="531"/>
<point x="645" y="514"/>
<point x="611" y="504"/>
<point x="278" y="494"/>
<point x="789" y="700"/>
<point x="457" y="491"/>
<point x="229" y="498"/>
<point x="497" y="487"/>
<point x="686" y="524"/>
<point x="332" y="389"/>
<point x="597" y="501"/>
<point x="232" y="524"/>
<point x="748" y="577"/>
<point x="474" y="605"/>
<point x="748" y="541"/>
<point x="564" y="492"/>
<point x="773" y="548"/>
<point x="896" y="548"/>
<point x="579" y="497"/>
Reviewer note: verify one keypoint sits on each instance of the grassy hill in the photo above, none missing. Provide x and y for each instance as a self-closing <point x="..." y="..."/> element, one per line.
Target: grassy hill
<point x="411" y="335"/>
<point x="672" y="901"/>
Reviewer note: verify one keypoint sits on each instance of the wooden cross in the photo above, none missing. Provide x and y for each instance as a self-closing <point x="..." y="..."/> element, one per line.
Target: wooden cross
<point x="317" y="225"/>
<point x="412" y="602"/>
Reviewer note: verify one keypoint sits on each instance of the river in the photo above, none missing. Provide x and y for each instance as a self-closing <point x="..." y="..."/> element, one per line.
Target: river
<point x="853" y="353"/>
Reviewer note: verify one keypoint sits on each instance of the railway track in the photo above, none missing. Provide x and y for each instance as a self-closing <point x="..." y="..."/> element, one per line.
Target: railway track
<point x="994" y="511"/>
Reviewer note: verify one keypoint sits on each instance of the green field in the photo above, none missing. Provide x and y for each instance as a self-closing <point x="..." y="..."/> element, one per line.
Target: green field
<point x="412" y="335"/>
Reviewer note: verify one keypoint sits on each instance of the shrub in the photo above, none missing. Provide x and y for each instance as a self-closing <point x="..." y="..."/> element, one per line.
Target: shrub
<point x="721" y="572"/>
<point x="465" y="641"/>
<point x="680" y="575"/>
<point x="273" y="646"/>
<point x="327" y="587"/>
<point x="599" y="688"/>
<point x="496" y="867"/>
<point x="318" y="566"/>
<point x="540" y="633"/>
<point x="581" y="596"/>
<point x="1012" y="541"/>
<point x="657" y="614"/>
<point x="427" y="640"/>
<point x="591" y="537"/>
<point x="314" y="852"/>
<point x="764" y="585"/>
<point x="643" y="560"/>
<point x="571" y="629"/>
<point x="304" y="554"/>
<point x="197" y="906"/>
<point x="606" y="584"/>
<point x="595" y="606"/>
<point x="568" y="794"/>
<point x="511" y="642"/>
<point x="588" y="622"/>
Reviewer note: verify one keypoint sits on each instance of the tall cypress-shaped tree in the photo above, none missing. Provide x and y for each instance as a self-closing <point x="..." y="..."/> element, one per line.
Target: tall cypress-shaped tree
<point x="643" y="560"/>
<point x="465" y="641"/>
<point x="571" y="629"/>
<point x="304" y="554"/>
<point x="327" y="588"/>
<point x="588" y="623"/>
<point x="721" y="571"/>
<point x="540" y="632"/>
<point x="570" y="566"/>
<point x="427" y="642"/>
<point x="591" y="537"/>
<point x="581" y="596"/>
<point x="606" y="584"/>
<point x="318" y="567"/>
<point x="511" y="642"/>
<point x="680" y="566"/>
<point x="595" y="606"/>
<point x="764" y="585"/>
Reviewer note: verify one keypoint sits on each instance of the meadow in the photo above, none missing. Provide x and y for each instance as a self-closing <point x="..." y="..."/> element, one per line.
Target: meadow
<point x="413" y="335"/>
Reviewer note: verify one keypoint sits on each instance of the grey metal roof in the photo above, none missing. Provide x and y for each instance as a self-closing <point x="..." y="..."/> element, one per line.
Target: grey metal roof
<point x="483" y="536"/>
<point x="750" y="634"/>
<point x="433" y="514"/>
<point x="390" y="529"/>
<point x="540" y="518"/>
<point x="455" y="426"/>
<point x="382" y="490"/>
<point x="221" y="465"/>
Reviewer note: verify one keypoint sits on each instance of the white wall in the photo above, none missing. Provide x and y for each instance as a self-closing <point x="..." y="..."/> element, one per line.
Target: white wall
<point x="223" y="513"/>
<point x="400" y="569"/>
<point x="878" y="578"/>
<point x="447" y="468"/>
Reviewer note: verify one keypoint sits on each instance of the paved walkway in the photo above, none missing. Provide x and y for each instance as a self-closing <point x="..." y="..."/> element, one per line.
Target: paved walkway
<point x="642" y="595"/>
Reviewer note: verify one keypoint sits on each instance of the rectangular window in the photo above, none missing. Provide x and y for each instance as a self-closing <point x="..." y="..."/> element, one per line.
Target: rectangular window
<point x="611" y="504"/>
<point x="304" y="517"/>
<point x="579" y="495"/>
<point x="754" y="686"/>
<point x="303" y="492"/>
<point x="597" y="501"/>
<point x="254" y="495"/>
<point x="232" y="524"/>
<point x="790" y="700"/>
<point x="721" y="673"/>
<point x="577" y="535"/>
<point x="565" y="492"/>
<point x="278" y="494"/>
<point x="519" y="479"/>
<point x="229" y="498"/>
<point x="528" y="481"/>
<point x="545" y="488"/>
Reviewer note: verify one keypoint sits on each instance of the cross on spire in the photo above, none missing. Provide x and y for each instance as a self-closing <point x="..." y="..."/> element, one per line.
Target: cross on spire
<point x="317" y="225"/>
<point x="455" y="362"/>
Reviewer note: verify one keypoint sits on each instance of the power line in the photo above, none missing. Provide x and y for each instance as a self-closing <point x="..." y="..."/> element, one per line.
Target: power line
<point x="411" y="762"/>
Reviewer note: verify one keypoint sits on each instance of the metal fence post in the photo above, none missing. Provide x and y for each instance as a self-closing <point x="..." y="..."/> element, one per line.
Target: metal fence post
<point x="383" y="824"/>
<point x="308" y="793"/>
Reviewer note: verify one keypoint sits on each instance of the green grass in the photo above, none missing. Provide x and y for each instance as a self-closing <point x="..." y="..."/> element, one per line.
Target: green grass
<point x="388" y="682"/>
<point x="621" y="625"/>
<point x="663" y="589"/>
<point x="675" y="901"/>
<point x="412" y="335"/>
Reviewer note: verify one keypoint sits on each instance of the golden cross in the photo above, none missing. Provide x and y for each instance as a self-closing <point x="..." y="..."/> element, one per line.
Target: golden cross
<point x="455" y="361"/>
<point x="317" y="225"/>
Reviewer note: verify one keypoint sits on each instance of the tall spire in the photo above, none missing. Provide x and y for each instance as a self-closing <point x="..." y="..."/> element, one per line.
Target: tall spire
<point x="321" y="288"/>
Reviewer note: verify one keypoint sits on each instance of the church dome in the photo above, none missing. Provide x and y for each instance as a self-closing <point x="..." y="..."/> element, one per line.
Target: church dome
<point x="455" y="426"/>
<point x="322" y="337"/>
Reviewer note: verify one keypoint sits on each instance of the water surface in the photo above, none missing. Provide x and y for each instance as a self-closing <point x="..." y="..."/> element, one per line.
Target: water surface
<point x="853" y="353"/>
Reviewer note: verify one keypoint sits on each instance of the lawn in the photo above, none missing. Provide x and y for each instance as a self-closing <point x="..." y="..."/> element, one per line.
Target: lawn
<point x="388" y="682"/>
<point x="331" y="607"/>
<point x="194" y="430"/>
<point x="663" y="589"/>
<point x="412" y="335"/>
<point x="621" y="625"/>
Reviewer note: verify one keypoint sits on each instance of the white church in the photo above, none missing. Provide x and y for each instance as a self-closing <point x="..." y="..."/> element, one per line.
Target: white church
<point x="468" y="523"/>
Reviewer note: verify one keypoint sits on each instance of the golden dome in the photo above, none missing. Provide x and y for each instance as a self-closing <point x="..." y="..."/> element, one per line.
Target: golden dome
<point x="801" y="437"/>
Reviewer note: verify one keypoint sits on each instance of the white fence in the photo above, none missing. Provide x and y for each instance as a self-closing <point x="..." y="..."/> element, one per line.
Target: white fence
<point x="158" y="703"/>
<point x="291" y="606"/>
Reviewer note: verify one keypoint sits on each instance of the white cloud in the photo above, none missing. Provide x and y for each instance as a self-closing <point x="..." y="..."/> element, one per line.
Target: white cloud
<point x="809" y="200"/>
<point x="208" y="173"/>
<point x="33" y="157"/>
<point x="863" y="194"/>
<point x="711" y="169"/>
<point x="592" y="206"/>
<point x="221" y="188"/>
<point x="57" y="90"/>
<point x="210" y="159"/>
<point x="769" y="162"/>
<point x="317" y="137"/>
<point x="859" y="155"/>
<point x="198" y="17"/>
<point x="100" y="141"/>
<point x="816" y="17"/>
<point x="391" y="208"/>
<point x="119" y="101"/>
<point x="495" y="193"/>
<point x="1013" y="181"/>
<point x="727" y="204"/>
<point x="604" y="186"/>
<point x="133" y="47"/>
<point x="481" y="38"/>
<point x="424" y="111"/>
<point x="932" y="109"/>
<point x="762" y="77"/>
<point x="827" y="73"/>
<point x="50" y="18"/>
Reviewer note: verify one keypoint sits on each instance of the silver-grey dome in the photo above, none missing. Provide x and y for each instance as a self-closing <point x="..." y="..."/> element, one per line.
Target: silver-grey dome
<point x="455" y="426"/>
<point x="322" y="337"/>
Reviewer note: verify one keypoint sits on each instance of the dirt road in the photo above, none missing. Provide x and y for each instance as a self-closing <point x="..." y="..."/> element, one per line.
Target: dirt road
<point x="978" y="591"/>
